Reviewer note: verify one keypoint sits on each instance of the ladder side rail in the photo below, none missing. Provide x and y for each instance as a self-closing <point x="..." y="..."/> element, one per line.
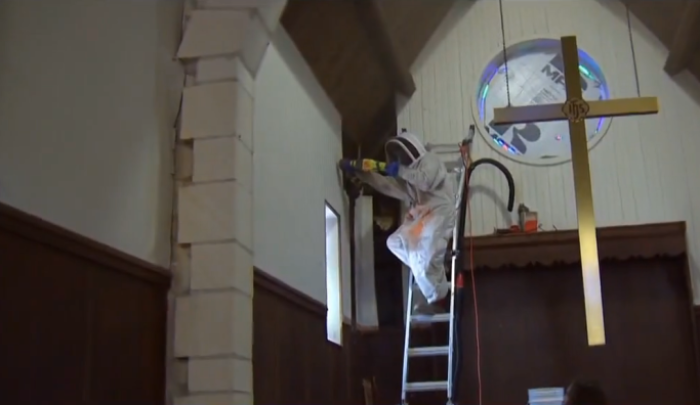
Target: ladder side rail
<point x="457" y="239"/>
<point x="407" y="334"/>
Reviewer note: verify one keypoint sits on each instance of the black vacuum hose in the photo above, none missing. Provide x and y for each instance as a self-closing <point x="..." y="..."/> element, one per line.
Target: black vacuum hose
<point x="459" y="293"/>
<point x="506" y="173"/>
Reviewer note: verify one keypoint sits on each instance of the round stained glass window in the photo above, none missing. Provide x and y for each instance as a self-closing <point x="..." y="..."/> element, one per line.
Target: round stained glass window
<point x="536" y="76"/>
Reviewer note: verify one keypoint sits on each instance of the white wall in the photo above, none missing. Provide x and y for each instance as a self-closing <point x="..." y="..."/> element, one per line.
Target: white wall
<point x="643" y="170"/>
<point x="88" y="97"/>
<point x="367" y="314"/>
<point x="297" y="143"/>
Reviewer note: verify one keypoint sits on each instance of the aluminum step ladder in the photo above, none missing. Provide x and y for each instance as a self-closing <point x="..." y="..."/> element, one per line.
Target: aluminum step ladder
<point x="411" y="319"/>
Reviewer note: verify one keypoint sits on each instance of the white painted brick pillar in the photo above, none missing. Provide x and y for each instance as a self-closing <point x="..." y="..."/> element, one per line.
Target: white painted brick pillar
<point x="222" y="47"/>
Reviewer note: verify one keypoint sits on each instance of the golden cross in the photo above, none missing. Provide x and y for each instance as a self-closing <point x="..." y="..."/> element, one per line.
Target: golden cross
<point x="576" y="110"/>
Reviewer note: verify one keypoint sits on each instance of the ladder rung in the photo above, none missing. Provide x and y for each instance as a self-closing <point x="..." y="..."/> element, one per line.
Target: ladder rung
<point x="428" y="351"/>
<point x="426" y="386"/>
<point x="431" y="318"/>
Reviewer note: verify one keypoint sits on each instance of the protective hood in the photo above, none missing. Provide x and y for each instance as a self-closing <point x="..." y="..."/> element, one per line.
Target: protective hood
<point x="407" y="144"/>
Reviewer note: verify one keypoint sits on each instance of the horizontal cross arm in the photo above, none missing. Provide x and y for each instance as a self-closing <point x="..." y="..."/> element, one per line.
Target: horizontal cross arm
<point x="619" y="107"/>
<point x="528" y="113"/>
<point x="554" y="112"/>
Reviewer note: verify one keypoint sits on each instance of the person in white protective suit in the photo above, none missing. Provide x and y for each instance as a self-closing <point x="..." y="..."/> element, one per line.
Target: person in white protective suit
<point x="419" y="178"/>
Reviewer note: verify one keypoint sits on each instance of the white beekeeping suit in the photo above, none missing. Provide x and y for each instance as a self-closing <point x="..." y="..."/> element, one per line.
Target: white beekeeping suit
<point x="421" y="240"/>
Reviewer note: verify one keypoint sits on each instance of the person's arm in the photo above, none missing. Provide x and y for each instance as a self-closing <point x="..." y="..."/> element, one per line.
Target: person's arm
<point x="395" y="188"/>
<point x="427" y="175"/>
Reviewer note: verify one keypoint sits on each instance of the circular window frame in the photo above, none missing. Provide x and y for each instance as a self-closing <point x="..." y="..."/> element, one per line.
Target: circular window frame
<point x="511" y="52"/>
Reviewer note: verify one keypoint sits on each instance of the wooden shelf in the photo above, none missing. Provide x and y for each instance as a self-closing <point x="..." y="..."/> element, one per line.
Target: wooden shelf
<point x="551" y="247"/>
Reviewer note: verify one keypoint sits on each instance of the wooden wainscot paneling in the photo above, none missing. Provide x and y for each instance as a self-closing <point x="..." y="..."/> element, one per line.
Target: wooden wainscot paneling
<point x="293" y="361"/>
<point x="81" y="323"/>
<point x="532" y="324"/>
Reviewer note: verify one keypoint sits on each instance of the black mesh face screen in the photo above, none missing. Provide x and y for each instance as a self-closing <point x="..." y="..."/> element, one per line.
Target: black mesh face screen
<point x="411" y="148"/>
<point x="396" y="153"/>
<point x="401" y="150"/>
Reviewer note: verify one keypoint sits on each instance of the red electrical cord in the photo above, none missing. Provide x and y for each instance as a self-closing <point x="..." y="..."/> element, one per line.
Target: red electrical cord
<point x="466" y="158"/>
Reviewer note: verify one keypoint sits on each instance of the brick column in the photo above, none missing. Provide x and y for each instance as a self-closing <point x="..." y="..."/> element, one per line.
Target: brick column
<point x="222" y="47"/>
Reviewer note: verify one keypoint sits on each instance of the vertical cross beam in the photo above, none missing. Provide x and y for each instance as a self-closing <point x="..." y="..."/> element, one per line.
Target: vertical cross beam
<point x="576" y="110"/>
<point x="590" y="268"/>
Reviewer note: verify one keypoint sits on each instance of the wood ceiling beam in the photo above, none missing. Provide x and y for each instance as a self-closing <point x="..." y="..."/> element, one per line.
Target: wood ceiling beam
<point x="360" y="52"/>
<point x="383" y="128"/>
<point x="412" y="23"/>
<point x="397" y="70"/>
<point x="685" y="40"/>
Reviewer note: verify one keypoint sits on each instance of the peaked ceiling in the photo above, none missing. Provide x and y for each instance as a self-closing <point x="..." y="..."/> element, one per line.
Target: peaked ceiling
<point x="677" y="25"/>
<point x="361" y="50"/>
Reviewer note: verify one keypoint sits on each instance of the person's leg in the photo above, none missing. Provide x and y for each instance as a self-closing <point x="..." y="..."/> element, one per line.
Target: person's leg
<point x="420" y="244"/>
<point x="429" y="271"/>
<point x="397" y="245"/>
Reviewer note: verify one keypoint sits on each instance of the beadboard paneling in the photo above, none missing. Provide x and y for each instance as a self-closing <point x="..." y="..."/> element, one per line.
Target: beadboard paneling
<point x="642" y="169"/>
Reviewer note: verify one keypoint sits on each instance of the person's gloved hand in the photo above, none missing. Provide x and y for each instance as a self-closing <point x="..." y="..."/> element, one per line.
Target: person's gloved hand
<point x="392" y="169"/>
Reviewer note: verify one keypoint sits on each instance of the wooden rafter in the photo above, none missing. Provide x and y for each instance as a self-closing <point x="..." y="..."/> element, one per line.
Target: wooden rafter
<point x="685" y="41"/>
<point x="370" y="14"/>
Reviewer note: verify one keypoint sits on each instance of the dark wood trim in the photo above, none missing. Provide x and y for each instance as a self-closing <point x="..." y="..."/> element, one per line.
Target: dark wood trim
<point x="386" y="50"/>
<point x="695" y="317"/>
<point x="105" y="314"/>
<point x="294" y="361"/>
<point x="685" y="42"/>
<point x="383" y="127"/>
<point x="264" y="280"/>
<point x="547" y="248"/>
<point x="296" y="297"/>
<point x="38" y="230"/>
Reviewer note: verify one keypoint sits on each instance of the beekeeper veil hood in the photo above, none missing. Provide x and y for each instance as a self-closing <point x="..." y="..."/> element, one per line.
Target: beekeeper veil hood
<point x="405" y="148"/>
